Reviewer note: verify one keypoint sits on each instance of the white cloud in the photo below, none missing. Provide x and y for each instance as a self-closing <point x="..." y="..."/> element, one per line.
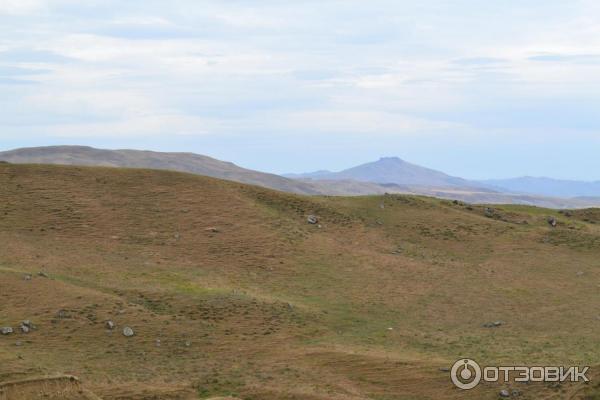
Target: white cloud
<point x="20" y="7"/>
<point x="391" y="66"/>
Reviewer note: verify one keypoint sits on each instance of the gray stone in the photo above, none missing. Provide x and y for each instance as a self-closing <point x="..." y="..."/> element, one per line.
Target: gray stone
<point x="128" y="332"/>
<point x="7" y="330"/>
<point x="27" y="277"/>
<point x="495" y="324"/>
<point x="312" y="219"/>
<point x="553" y="222"/>
<point x="504" y="393"/>
<point x="43" y="274"/>
<point x="110" y="325"/>
<point x="24" y="329"/>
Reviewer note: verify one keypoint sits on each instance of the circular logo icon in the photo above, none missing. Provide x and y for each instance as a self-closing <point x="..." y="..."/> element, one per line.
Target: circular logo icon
<point x="465" y="374"/>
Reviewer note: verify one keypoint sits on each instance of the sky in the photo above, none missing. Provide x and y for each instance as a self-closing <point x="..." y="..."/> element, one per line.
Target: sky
<point x="478" y="89"/>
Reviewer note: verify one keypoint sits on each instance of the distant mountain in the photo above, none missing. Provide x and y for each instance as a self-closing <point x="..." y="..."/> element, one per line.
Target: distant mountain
<point x="310" y="175"/>
<point x="547" y="186"/>
<point x="183" y="162"/>
<point x="394" y="170"/>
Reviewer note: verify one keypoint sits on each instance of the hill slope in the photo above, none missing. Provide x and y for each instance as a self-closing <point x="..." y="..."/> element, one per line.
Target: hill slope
<point x="231" y="292"/>
<point x="183" y="162"/>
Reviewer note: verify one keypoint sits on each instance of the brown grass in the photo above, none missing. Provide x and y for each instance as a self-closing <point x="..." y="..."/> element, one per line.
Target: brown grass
<point x="270" y="307"/>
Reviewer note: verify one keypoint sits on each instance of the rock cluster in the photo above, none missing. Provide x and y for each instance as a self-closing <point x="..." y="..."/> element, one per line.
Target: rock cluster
<point x="7" y="330"/>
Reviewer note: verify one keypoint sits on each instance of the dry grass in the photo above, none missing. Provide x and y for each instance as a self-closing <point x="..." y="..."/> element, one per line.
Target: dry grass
<point x="270" y="307"/>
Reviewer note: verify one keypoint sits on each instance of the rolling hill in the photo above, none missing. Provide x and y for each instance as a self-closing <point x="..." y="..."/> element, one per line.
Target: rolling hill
<point x="230" y="292"/>
<point x="183" y="162"/>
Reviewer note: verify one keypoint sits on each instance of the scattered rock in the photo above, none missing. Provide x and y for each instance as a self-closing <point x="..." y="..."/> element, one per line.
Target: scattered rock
<point x="444" y="369"/>
<point x="495" y="324"/>
<point x="110" y="325"/>
<point x="157" y="342"/>
<point x="177" y="236"/>
<point x="312" y="219"/>
<point x="489" y="212"/>
<point x="28" y="324"/>
<point x="382" y="206"/>
<point x="580" y="273"/>
<point x="27" y="277"/>
<point x="43" y="274"/>
<point x="552" y="222"/>
<point x="128" y="332"/>
<point x="18" y="343"/>
<point x="516" y="393"/>
<point x="390" y="329"/>
<point x="7" y="330"/>
<point x="188" y="343"/>
<point x="212" y="229"/>
<point x="504" y="393"/>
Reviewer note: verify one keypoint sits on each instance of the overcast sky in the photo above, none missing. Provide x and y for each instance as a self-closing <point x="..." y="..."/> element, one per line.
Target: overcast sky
<point x="474" y="88"/>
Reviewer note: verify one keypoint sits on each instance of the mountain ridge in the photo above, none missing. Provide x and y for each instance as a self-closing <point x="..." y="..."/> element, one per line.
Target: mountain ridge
<point x="394" y="170"/>
<point x="176" y="161"/>
<point x="546" y="185"/>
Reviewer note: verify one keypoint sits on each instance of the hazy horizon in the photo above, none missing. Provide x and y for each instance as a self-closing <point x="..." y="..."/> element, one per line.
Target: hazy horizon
<point x="476" y="90"/>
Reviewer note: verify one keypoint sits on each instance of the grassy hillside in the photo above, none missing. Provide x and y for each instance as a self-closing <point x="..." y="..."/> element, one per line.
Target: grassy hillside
<point x="182" y="162"/>
<point x="230" y="292"/>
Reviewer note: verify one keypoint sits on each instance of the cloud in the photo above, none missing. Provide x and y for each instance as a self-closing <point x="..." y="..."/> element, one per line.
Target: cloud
<point x="568" y="58"/>
<point x="405" y="68"/>
<point x="479" y="61"/>
<point x="20" y="7"/>
<point x="14" y="81"/>
<point x="29" y="55"/>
